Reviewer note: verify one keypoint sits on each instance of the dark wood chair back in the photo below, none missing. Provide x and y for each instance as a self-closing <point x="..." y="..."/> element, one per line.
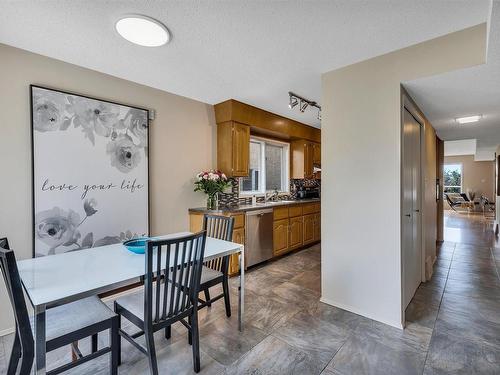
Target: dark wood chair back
<point x="172" y="280"/>
<point x="220" y="227"/>
<point x="15" y="291"/>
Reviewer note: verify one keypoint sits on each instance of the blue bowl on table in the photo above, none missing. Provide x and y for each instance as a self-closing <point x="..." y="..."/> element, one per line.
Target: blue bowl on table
<point x="136" y="245"/>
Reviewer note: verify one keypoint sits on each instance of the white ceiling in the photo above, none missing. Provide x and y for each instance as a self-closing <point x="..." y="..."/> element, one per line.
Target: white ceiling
<point x="253" y="51"/>
<point x="462" y="147"/>
<point x="465" y="92"/>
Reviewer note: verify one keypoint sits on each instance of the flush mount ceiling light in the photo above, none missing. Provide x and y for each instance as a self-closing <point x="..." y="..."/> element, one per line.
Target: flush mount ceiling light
<point x="143" y="31"/>
<point x="294" y="99"/>
<point x="468" y="119"/>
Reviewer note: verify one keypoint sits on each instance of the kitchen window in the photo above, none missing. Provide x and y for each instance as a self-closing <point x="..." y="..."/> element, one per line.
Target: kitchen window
<point x="268" y="169"/>
<point x="452" y="178"/>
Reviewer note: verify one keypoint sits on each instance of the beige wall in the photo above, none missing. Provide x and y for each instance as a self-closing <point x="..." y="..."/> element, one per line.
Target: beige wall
<point x="477" y="176"/>
<point x="361" y="154"/>
<point x="182" y="143"/>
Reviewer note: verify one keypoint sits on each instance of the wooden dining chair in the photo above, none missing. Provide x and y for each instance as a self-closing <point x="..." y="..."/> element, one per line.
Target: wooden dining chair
<point x="171" y="286"/>
<point x="216" y="271"/>
<point x="65" y="324"/>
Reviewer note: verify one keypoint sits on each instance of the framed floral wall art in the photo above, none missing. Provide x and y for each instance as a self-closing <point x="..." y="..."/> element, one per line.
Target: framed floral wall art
<point x="90" y="171"/>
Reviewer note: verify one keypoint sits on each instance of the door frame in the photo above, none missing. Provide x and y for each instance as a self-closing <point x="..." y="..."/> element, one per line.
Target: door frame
<point x="407" y="104"/>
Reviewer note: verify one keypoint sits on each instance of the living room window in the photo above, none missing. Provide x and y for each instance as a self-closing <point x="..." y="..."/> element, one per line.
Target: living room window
<point x="269" y="166"/>
<point x="452" y="178"/>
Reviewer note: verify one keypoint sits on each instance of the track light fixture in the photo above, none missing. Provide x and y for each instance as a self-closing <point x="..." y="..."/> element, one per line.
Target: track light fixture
<point x="303" y="106"/>
<point x="295" y="99"/>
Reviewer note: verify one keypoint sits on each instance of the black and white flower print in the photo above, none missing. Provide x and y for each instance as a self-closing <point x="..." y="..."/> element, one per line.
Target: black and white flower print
<point x="94" y="117"/>
<point x="125" y="155"/>
<point x="56" y="227"/>
<point x="136" y="122"/>
<point x="127" y="131"/>
<point x="49" y="112"/>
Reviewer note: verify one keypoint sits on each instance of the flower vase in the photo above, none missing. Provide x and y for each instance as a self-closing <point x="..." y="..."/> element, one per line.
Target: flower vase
<point x="211" y="201"/>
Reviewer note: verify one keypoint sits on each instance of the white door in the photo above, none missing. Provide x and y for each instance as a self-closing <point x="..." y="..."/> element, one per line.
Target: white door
<point x="410" y="221"/>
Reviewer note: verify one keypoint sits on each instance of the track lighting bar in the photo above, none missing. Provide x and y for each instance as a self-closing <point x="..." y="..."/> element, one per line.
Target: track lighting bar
<point x="303" y="103"/>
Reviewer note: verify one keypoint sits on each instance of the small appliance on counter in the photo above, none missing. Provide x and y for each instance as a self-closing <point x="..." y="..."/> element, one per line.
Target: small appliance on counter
<point x="308" y="193"/>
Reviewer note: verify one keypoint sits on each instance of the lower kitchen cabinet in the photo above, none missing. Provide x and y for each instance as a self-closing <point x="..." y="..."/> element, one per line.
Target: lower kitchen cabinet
<point x="238" y="237"/>
<point x="309" y="221"/>
<point x="317" y="227"/>
<point x="295" y="232"/>
<point x="280" y="236"/>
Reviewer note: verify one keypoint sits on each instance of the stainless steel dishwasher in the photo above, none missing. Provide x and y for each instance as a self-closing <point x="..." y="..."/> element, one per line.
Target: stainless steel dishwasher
<point x="258" y="236"/>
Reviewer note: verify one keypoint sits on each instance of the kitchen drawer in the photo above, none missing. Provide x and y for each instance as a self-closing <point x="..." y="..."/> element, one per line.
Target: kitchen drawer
<point x="239" y="221"/>
<point x="317" y="207"/>
<point x="309" y="208"/>
<point x="280" y="213"/>
<point x="295" y="211"/>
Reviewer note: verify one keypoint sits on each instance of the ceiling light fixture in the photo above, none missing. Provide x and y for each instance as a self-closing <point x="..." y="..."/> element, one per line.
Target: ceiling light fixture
<point x="294" y="99"/>
<point x="468" y="119"/>
<point x="143" y="31"/>
<point x="303" y="106"/>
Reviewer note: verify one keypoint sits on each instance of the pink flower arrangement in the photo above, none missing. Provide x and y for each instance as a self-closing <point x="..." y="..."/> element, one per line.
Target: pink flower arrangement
<point x="211" y="182"/>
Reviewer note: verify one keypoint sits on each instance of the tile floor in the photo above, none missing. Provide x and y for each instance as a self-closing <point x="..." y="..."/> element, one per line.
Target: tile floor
<point x="453" y="322"/>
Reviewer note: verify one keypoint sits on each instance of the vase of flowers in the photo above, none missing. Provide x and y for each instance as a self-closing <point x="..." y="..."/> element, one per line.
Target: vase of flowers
<point x="211" y="183"/>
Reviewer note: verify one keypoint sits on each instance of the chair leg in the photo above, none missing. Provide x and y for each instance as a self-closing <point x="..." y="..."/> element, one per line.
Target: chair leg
<point x="119" y="341"/>
<point x="150" y="344"/>
<point x="26" y="363"/>
<point x="14" y="355"/>
<point x="195" y="338"/>
<point x="168" y="332"/>
<point x="225" y="288"/>
<point x="114" y="340"/>
<point x="190" y="338"/>
<point x="207" y="297"/>
<point x="94" y="344"/>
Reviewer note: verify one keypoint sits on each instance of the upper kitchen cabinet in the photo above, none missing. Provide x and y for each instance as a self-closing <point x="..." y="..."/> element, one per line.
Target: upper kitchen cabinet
<point x="316" y="154"/>
<point x="236" y="121"/>
<point x="233" y="148"/>
<point x="305" y="156"/>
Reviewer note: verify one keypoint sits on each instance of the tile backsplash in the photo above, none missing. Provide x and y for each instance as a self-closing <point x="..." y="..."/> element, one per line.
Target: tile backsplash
<point x="232" y="197"/>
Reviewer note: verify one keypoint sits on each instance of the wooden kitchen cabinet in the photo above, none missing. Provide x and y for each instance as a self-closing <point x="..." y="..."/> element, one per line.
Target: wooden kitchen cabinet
<point x="316" y="154"/>
<point x="280" y="236"/>
<point x="238" y="237"/>
<point x="296" y="226"/>
<point x="233" y="148"/>
<point x="317" y="227"/>
<point x="309" y="228"/>
<point x="302" y="159"/>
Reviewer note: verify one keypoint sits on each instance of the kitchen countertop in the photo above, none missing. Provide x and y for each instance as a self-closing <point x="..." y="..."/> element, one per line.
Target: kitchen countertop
<point x="251" y="207"/>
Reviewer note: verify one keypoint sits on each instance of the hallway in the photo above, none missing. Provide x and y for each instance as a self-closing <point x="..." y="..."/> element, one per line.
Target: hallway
<point x="461" y="303"/>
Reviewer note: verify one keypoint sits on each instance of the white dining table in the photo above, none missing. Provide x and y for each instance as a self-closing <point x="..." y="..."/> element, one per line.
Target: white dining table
<point x="63" y="278"/>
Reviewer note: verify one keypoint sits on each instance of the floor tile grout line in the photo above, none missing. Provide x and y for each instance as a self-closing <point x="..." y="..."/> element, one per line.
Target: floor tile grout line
<point x="439" y="307"/>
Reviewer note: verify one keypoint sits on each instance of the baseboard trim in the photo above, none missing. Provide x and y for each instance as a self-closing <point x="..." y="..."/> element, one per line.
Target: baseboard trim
<point x="7" y="331"/>
<point x="359" y="312"/>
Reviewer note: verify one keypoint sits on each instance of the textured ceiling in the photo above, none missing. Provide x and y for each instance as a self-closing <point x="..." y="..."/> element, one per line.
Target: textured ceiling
<point x="253" y="51"/>
<point x="465" y="92"/>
